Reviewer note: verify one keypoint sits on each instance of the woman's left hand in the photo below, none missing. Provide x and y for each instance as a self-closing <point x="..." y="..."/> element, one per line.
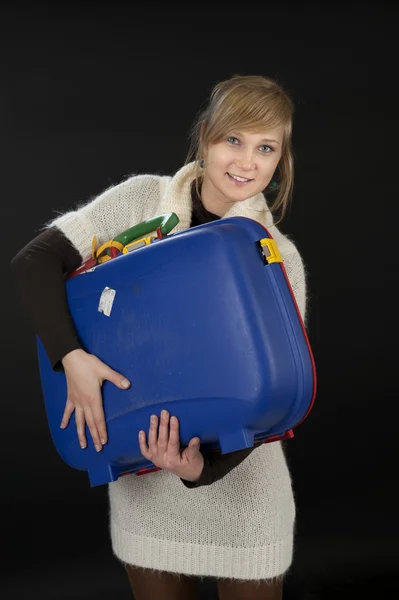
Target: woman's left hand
<point x="163" y="449"/>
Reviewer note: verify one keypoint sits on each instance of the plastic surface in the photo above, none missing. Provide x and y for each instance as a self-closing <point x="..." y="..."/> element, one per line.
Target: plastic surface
<point x="202" y="326"/>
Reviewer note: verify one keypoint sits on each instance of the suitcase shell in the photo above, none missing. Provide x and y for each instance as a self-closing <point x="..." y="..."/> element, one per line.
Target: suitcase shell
<point x="203" y="326"/>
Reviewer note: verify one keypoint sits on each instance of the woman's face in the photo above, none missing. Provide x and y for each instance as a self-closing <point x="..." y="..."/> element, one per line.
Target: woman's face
<point x="240" y="166"/>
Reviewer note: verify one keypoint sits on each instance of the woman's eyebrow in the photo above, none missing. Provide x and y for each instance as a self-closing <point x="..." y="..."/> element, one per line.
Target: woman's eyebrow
<point x="266" y="140"/>
<point x="263" y="140"/>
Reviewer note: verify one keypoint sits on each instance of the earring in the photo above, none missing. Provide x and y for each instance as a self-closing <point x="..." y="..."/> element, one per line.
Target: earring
<point x="272" y="184"/>
<point x="202" y="163"/>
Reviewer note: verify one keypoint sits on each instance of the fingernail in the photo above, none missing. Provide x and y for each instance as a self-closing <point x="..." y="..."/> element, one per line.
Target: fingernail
<point x="163" y="414"/>
<point x="141" y="434"/>
<point x="103" y="441"/>
<point x="125" y="383"/>
<point x="83" y="446"/>
<point x="98" y="448"/>
<point x="153" y="418"/>
<point x="62" y="426"/>
<point x="173" y="420"/>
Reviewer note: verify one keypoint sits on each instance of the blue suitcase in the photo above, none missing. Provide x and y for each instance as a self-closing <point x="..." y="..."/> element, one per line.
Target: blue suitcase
<point x="204" y="324"/>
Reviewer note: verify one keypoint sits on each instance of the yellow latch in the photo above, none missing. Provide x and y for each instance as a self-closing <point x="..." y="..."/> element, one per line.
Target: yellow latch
<point x="270" y="250"/>
<point x="145" y="241"/>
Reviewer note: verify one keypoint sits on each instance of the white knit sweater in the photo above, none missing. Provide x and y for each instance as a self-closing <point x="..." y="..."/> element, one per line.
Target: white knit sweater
<point x="241" y="526"/>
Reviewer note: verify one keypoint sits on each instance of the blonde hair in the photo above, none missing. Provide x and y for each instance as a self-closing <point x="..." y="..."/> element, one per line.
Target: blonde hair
<point x="251" y="103"/>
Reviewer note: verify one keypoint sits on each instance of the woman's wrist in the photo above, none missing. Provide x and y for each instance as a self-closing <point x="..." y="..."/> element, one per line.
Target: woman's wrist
<point x="196" y="478"/>
<point x="71" y="356"/>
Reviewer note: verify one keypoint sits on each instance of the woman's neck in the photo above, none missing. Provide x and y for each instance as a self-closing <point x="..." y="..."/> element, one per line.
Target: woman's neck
<point x="213" y="201"/>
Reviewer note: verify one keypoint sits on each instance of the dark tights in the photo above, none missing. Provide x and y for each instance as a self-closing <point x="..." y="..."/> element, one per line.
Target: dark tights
<point x="147" y="584"/>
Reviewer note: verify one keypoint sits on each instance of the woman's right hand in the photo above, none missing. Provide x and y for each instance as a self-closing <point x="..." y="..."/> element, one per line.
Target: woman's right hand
<point x="85" y="374"/>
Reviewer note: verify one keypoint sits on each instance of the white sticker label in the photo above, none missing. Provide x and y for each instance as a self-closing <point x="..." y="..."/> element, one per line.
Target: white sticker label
<point x="106" y="301"/>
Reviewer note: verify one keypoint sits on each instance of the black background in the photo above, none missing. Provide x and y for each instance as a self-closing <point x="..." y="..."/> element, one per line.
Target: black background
<point x="91" y="93"/>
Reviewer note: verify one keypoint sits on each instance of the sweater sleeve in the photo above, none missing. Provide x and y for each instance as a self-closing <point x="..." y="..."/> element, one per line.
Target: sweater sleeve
<point x="297" y="277"/>
<point x="39" y="270"/>
<point x="107" y="215"/>
<point x="66" y="242"/>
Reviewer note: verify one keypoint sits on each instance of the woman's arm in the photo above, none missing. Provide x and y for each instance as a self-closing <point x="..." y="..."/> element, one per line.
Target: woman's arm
<point x="39" y="270"/>
<point x="216" y="466"/>
<point x="40" y="267"/>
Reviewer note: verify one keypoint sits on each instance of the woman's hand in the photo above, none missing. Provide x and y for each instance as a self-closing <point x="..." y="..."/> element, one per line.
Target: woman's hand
<point x="85" y="374"/>
<point x="164" y="449"/>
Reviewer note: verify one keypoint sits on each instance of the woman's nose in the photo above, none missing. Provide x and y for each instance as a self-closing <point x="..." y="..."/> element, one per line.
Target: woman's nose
<point x="246" y="160"/>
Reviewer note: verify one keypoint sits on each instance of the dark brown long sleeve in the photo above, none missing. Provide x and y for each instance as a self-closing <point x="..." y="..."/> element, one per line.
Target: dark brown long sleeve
<point x="217" y="466"/>
<point x="39" y="270"/>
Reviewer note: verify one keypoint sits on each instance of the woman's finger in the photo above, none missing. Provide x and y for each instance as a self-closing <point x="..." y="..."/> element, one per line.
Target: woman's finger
<point x="153" y="434"/>
<point x="143" y="445"/>
<point x="116" y="378"/>
<point x="93" y="429"/>
<point x="174" y="438"/>
<point x="80" y="426"/>
<point x="163" y="436"/>
<point x="97" y="410"/>
<point x="69" y="408"/>
<point x="194" y="445"/>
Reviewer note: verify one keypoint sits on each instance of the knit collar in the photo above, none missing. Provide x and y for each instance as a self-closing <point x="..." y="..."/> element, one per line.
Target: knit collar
<point x="177" y="198"/>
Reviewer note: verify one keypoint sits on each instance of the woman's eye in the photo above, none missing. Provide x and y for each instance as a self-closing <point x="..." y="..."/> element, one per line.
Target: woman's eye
<point x="265" y="149"/>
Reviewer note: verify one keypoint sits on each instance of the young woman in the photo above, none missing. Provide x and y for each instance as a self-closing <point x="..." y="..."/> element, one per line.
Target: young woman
<point x="231" y="516"/>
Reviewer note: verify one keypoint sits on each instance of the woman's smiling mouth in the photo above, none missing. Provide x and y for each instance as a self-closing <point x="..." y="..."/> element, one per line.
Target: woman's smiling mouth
<point x="239" y="180"/>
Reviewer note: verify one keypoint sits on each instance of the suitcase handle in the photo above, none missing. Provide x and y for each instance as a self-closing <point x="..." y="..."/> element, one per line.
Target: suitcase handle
<point x="165" y="223"/>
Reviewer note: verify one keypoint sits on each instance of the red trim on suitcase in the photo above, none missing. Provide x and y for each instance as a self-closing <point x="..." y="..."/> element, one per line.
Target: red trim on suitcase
<point x="306" y="338"/>
<point x="279" y="437"/>
<point x="146" y="470"/>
